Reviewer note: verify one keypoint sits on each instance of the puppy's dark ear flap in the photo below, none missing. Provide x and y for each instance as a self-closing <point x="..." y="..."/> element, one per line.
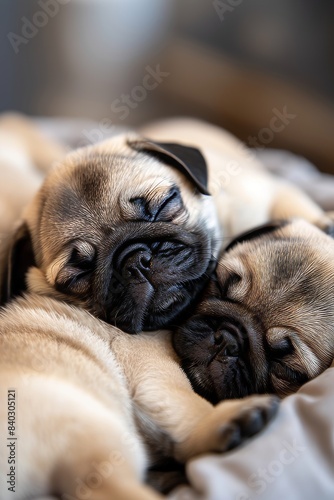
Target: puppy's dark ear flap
<point x="257" y="232"/>
<point x="15" y="262"/>
<point x="185" y="158"/>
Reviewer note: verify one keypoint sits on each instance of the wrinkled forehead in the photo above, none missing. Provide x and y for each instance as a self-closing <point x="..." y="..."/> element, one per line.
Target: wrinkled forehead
<point x="89" y="191"/>
<point x="277" y="243"/>
<point x="76" y="189"/>
<point x="91" y="180"/>
<point x="99" y="179"/>
<point x="286" y="262"/>
<point x="297" y="257"/>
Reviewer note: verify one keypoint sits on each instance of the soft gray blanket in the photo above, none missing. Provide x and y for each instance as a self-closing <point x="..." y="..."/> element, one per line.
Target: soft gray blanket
<point x="292" y="459"/>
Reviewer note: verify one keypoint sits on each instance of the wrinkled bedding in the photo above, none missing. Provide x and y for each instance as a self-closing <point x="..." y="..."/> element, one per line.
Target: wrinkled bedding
<point x="294" y="457"/>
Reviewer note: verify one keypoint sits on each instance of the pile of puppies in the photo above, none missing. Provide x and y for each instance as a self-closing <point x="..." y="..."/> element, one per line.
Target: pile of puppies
<point x="124" y="237"/>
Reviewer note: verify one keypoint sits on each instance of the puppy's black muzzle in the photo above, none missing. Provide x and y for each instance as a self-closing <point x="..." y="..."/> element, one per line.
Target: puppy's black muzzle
<point x="221" y="350"/>
<point x="149" y="273"/>
<point x="145" y="260"/>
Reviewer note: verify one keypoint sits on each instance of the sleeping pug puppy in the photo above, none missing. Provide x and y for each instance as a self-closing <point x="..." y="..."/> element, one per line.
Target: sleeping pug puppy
<point x="85" y="396"/>
<point x="126" y="228"/>
<point x="266" y="320"/>
<point x="123" y="229"/>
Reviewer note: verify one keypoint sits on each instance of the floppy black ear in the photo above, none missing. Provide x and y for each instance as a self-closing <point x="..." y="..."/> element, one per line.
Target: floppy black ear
<point x="15" y="262"/>
<point x="185" y="158"/>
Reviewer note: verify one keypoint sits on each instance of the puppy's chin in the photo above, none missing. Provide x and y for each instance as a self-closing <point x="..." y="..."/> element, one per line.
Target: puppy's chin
<point x="219" y="380"/>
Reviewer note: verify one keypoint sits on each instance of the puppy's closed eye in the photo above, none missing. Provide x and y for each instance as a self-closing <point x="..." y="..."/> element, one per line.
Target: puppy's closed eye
<point x="281" y="348"/>
<point x="281" y="345"/>
<point x="160" y="206"/>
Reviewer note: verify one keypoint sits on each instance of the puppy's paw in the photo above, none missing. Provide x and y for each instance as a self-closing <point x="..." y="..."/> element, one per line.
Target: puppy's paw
<point x="251" y="416"/>
<point x="229" y="424"/>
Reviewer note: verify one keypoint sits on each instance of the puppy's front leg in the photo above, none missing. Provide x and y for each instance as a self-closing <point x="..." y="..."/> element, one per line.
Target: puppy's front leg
<point x="164" y="395"/>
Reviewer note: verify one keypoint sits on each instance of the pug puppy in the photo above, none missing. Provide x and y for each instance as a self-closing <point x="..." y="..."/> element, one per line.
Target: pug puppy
<point x="266" y="320"/>
<point x="83" y="397"/>
<point x="126" y="229"/>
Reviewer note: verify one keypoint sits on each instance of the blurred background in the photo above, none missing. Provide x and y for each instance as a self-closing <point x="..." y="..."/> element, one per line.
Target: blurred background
<point x="236" y="63"/>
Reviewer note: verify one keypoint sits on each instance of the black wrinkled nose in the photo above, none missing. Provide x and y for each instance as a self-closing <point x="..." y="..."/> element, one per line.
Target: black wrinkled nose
<point x="229" y="337"/>
<point x="227" y="342"/>
<point x="134" y="262"/>
<point x="137" y="266"/>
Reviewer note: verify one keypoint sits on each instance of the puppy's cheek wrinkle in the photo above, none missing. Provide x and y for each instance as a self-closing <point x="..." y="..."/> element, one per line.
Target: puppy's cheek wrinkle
<point x="55" y="268"/>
